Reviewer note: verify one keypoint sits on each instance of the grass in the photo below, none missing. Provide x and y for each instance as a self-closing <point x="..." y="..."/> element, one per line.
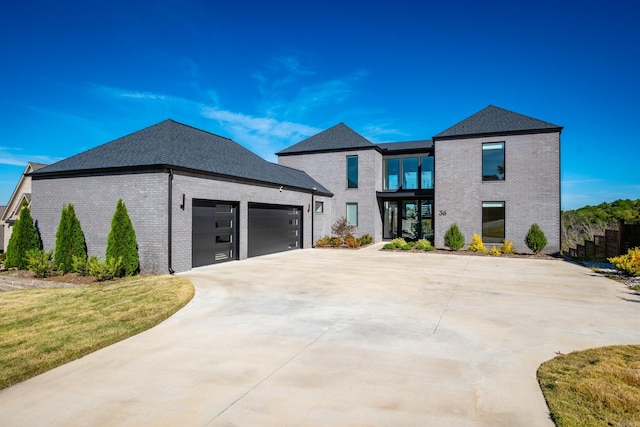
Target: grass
<point x="595" y="387"/>
<point x="44" y="328"/>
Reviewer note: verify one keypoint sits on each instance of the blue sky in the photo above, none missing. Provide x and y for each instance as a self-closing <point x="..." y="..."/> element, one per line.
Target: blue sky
<point x="269" y="74"/>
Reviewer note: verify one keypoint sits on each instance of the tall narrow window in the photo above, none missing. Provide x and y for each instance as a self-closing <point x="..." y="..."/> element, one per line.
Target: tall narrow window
<point x="352" y="171"/>
<point x="352" y="214"/>
<point x="409" y="173"/>
<point x="426" y="173"/>
<point x="391" y="173"/>
<point x="493" y="161"/>
<point x="492" y="222"/>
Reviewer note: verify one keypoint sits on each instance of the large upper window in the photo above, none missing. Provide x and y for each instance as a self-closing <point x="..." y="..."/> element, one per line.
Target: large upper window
<point x="426" y="172"/>
<point x="409" y="173"/>
<point x="492" y="222"/>
<point x="352" y="214"/>
<point x="352" y="171"/>
<point x="391" y="174"/>
<point x="493" y="161"/>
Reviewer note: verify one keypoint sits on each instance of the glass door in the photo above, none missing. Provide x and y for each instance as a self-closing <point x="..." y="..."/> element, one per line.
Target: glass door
<point x="390" y="220"/>
<point x="410" y="224"/>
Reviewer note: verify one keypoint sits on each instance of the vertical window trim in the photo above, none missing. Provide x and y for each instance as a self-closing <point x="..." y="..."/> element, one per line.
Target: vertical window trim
<point x="349" y="181"/>
<point x="354" y="204"/>
<point x="492" y="146"/>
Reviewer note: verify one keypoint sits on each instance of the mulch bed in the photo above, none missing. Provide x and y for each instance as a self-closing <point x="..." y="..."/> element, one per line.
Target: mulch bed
<point x="470" y="253"/>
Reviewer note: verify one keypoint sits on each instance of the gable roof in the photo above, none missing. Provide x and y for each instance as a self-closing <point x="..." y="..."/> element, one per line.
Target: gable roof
<point x="495" y="120"/>
<point x="337" y="138"/>
<point x="170" y="144"/>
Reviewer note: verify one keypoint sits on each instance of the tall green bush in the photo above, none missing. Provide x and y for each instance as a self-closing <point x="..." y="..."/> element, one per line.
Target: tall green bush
<point x="70" y="240"/>
<point x="453" y="238"/>
<point x="24" y="237"/>
<point x="535" y="239"/>
<point x="121" y="241"/>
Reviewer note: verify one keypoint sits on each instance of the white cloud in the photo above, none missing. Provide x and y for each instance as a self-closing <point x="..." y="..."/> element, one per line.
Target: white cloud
<point x="11" y="158"/>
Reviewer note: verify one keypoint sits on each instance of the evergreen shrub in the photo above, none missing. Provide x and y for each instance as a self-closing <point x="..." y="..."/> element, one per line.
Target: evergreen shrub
<point x="121" y="242"/>
<point x="535" y="239"/>
<point x="453" y="238"/>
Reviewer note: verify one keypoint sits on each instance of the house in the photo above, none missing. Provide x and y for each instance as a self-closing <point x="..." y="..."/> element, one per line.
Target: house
<point x="196" y="198"/>
<point x="11" y="211"/>
<point x="494" y="174"/>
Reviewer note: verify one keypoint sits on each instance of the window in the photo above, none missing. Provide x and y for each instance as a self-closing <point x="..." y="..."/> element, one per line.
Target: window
<point x="493" y="161"/>
<point x="426" y="173"/>
<point x="391" y="173"/>
<point x="409" y="173"/>
<point x="492" y="222"/>
<point x="319" y="207"/>
<point x="352" y="214"/>
<point x="352" y="171"/>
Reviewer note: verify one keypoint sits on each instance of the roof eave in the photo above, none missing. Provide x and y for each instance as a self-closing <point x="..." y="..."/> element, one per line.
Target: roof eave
<point x="503" y="133"/>
<point x="329" y="150"/>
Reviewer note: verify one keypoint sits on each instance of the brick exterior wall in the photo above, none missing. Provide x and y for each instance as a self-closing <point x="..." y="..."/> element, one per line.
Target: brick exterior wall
<point x="146" y="198"/>
<point x="531" y="189"/>
<point x="330" y="170"/>
<point x="94" y="199"/>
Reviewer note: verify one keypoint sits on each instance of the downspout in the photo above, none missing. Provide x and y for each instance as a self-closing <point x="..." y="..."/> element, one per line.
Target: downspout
<point x="169" y="220"/>
<point x="313" y="214"/>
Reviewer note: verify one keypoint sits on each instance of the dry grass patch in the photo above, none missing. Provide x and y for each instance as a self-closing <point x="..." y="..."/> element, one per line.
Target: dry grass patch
<point x="595" y="387"/>
<point x="44" y="328"/>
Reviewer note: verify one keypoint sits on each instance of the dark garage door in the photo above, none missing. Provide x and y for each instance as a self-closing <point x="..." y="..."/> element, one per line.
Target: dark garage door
<point x="213" y="232"/>
<point x="274" y="228"/>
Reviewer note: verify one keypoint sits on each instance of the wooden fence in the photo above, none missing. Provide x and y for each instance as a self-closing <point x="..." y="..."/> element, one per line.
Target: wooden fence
<point x="613" y="243"/>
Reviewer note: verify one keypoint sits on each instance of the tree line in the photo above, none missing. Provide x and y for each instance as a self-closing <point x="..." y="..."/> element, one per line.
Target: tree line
<point x="586" y="222"/>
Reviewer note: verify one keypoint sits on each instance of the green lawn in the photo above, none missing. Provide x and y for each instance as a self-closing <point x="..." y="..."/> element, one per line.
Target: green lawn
<point x="44" y="328"/>
<point x="595" y="387"/>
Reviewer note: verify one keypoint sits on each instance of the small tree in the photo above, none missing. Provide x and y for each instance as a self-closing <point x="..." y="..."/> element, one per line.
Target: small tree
<point x="24" y="237"/>
<point x="342" y="229"/>
<point x="535" y="239"/>
<point x="121" y="241"/>
<point x="476" y="244"/>
<point x="453" y="238"/>
<point x="69" y="240"/>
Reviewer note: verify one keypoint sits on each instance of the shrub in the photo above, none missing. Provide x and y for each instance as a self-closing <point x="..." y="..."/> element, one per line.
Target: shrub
<point x="112" y="267"/>
<point x="535" y="239"/>
<point x="40" y="262"/>
<point x="336" y="242"/>
<point x="366" y="239"/>
<point x="629" y="263"/>
<point x="476" y="244"/>
<point x="453" y="238"/>
<point x="323" y="241"/>
<point x="352" y="242"/>
<point x="79" y="265"/>
<point x="399" y="242"/>
<point x="424" y="245"/>
<point x="24" y="237"/>
<point x="121" y="242"/>
<point x="494" y="251"/>
<point x="69" y="240"/>
<point x="507" y="247"/>
<point x="389" y="246"/>
<point x="342" y="229"/>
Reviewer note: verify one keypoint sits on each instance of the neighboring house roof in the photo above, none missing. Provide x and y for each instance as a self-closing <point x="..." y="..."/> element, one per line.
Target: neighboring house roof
<point x="22" y="190"/>
<point x="409" y="146"/>
<point x="170" y="144"/>
<point x="337" y="138"/>
<point x="495" y="120"/>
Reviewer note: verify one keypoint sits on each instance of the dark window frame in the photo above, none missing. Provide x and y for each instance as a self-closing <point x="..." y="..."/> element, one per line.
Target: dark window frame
<point x="497" y="176"/>
<point x="347" y="213"/>
<point x="352" y="171"/>
<point x="491" y="238"/>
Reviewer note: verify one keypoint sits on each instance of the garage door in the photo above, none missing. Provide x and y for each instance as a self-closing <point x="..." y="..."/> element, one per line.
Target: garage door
<point x="274" y="228"/>
<point x="214" y="232"/>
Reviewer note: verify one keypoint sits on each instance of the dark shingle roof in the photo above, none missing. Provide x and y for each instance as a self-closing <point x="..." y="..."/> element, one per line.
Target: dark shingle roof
<point x="337" y="138"/>
<point x="172" y="144"/>
<point x="37" y="166"/>
<point x="495" y="120"/>
<point x="388" y="147"/>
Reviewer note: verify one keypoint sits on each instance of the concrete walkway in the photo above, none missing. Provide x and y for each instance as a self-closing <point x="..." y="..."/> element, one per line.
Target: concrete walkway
<point x="337" y="337"/>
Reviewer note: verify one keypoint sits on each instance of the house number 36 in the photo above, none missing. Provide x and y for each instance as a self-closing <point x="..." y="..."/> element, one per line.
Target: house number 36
<point x="442" y="213"/>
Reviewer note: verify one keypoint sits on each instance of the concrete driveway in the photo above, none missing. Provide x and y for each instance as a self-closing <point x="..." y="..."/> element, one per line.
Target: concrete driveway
<point x="329" y="337"/>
